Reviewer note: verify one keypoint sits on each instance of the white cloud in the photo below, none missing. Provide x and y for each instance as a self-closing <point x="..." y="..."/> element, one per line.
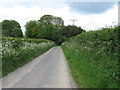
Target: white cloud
<point x="93" y="0"/>
<point x="24" y="14"/>
<point x="96" y="21"/>
<point x="29" y="3"/>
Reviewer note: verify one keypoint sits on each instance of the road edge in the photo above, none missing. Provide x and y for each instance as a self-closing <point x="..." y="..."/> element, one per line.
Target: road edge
<point x="71" y="79"/>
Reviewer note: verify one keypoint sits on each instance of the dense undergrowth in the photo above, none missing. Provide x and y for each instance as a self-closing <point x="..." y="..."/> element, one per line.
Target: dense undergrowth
<point x="18" y="51"/>
<point x="94" y="58"/>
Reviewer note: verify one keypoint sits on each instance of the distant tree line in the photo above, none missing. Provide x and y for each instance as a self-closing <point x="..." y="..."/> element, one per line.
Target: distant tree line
<point x="47" y="27"/>
<point x="52" y="28"/>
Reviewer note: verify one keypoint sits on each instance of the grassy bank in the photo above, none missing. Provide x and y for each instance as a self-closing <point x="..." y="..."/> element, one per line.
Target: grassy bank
<point x="94" y="58"/>
<point x="18" y="51"/>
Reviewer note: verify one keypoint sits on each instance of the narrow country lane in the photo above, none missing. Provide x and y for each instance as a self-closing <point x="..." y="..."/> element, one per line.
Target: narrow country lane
<point x="49" y="70"/>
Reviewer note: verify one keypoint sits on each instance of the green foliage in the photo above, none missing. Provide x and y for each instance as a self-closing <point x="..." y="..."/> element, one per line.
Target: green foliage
<point x="51" y="28"/>
<point x="18" y="51"/>
<point x="46" y="28"/>
<point x="56" y="22"/>
<point x="0" y="29"/>
<point x="11" y="28"/>
<point x="83" y="31"/>
<point x="94" y="58"/>
<point x="30" y="33"/>
<point x="70" y="31"/>
<point x="46" y="32"/>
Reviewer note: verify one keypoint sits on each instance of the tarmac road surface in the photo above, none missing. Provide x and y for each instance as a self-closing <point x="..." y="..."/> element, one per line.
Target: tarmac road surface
<point x="49" y="70"/>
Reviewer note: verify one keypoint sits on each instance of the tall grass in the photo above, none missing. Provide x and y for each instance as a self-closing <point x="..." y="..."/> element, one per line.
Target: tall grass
<point x="94" y="58"/>
<point x="18" y="51"/>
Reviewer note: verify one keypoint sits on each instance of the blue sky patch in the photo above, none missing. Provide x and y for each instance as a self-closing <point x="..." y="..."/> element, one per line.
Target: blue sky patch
<point x="91" y="7"/>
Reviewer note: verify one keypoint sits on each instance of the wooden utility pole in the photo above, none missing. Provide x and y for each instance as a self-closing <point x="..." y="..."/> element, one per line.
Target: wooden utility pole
<point x="73" y="20"/>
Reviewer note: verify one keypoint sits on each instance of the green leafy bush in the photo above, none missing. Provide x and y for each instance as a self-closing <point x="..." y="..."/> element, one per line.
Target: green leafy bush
<point x="18" y="51"/>
<point x="94" y="58"/>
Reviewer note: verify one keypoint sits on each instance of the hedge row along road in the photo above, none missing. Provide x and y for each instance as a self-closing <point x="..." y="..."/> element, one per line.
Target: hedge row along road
<point x="49" y="70"/>
<point x="94" y="58"/>
<point x="16" y="52"/>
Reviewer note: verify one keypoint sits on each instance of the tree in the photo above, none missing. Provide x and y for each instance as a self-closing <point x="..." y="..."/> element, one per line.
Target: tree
<point x="16" y="31"/>
<point x="46" y="32"/>
<point x="29" y="28"/>
<point x="51" y="28"/>
<point x="44" y="27"/>
<point x="6" y="28"/>
<point x="83" y="31"/>
<point x="70" y="31"/>
<point x="56" y="22"/>
<point x="11" y="28"/>
<point x="36" y="31"/>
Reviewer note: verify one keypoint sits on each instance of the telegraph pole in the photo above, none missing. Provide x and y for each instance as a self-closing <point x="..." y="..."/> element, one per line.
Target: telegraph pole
<point x="73" y="20"/>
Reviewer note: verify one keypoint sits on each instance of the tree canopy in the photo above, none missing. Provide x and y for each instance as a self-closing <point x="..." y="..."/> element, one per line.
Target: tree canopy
<point x="51" y="28"/>
<point x="57" y="22"/>
<point x="11" y="28"/>
<point x="70" y="31"/>
<point x="29" y="28"/>
<point x="44" y="27"/>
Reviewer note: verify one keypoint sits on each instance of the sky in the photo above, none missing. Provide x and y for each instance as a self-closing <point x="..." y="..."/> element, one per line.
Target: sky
<point x="89" y="14"/>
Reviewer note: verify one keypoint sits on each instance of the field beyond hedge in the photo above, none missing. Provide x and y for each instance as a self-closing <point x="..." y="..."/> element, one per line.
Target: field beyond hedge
<point x="18" y="51"/>
<point x="94" y="58"/>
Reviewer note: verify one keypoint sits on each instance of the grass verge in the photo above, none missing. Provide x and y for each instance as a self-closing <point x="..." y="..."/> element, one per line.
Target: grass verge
<point x="94" y="58"/>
